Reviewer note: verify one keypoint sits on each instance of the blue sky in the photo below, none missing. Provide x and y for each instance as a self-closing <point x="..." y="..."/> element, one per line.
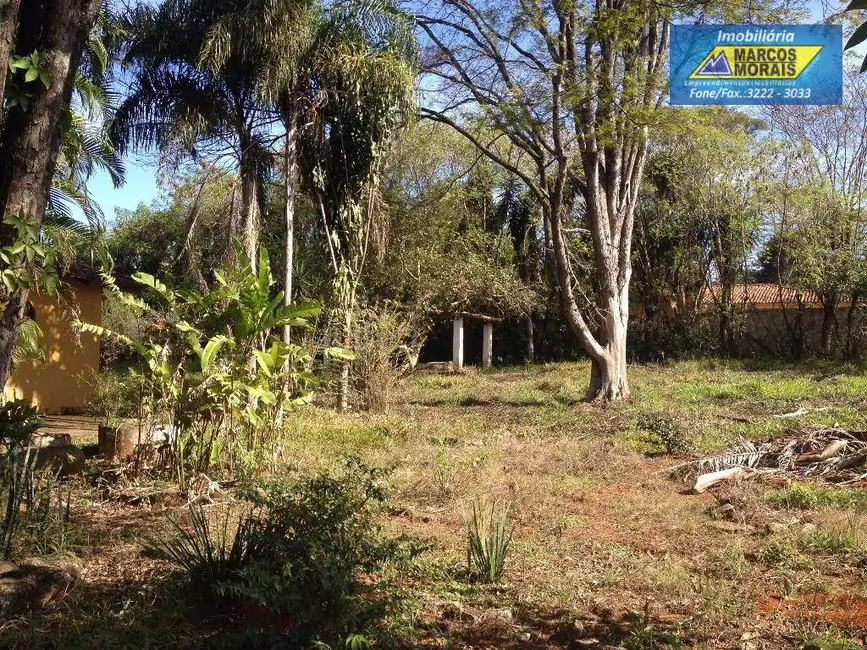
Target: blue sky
<point x="140" y="187"/>
<point x="141" y="179"/>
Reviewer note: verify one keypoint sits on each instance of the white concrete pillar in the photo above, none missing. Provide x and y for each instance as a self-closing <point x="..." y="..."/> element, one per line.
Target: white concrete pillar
<point x="487" y="345"/>
<point x="458" y="344"/>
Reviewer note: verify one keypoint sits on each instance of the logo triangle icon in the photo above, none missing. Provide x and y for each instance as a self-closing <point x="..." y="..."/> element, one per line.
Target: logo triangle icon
<point x="715" y="66"/>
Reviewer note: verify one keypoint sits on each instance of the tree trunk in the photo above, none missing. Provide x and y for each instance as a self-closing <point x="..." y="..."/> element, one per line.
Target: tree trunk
<point x="851" y="352"/>
<point x="531" y="343"/>
<point x="343" y="385"/>
<point x="829" y="321"/>
<point x="58" y="30"/>
<point x="608" y="380"/>
<point x="249" y="203"/>
<point x="607" y="351"/>
<point x="291" y="176"/>
<point x="8" y="21"/>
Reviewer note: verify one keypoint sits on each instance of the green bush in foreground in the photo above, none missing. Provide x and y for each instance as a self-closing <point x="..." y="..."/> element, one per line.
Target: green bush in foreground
<point x="304" y="565"/>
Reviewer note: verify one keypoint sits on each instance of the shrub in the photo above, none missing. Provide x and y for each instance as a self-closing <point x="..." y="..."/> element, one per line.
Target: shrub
<point x="643" y="636"/>
<point x="803" y="496"/>
<point x="113" y="396"/>
<point x="384" y="356"/>
<point x="795" y="496"/>
<point x="830" y="641"/>
<point x="213" y="367"/>
<point x="488" y="541"/>
<point x="46" y="526"/>
<point x="665" y="430"/>
<point x="306" y="560"/>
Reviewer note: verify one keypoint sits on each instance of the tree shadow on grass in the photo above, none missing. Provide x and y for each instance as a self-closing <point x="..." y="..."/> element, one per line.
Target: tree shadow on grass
<point x="114" y="615"/>
<point x="542" y="630"/>
<point x="556" y="400"/>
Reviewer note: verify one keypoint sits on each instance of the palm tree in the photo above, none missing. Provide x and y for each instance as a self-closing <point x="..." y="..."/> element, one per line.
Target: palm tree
<point x="183" y="110"/>
<point x="342" y="69"/>
<point x="280" y="37"/>
<point x="361" y="91"/>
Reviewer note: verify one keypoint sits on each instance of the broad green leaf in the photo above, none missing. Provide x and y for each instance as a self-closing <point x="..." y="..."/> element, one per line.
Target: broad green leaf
<point x="266" y="396"/>
<point x="266" y="362"/>
<point x="339" y="353"/>
<point x="212" y="347"/>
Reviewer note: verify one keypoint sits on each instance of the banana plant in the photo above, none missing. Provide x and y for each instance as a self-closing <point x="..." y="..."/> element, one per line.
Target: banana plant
<point x="216" y="364"/>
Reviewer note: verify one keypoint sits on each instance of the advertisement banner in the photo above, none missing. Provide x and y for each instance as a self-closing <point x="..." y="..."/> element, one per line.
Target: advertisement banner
<point x="756" y="64"/>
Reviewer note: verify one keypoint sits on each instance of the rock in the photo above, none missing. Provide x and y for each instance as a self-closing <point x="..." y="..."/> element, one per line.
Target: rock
<point x="496" y="617"/>
<point x="725" y="511"/>
<point x="455" y="612"/>
<point x="7" y="567"/>
<point x="34" y="586"/>
<point x="587" y="643"/>
<point x="524" y="637"/>
<point x="809" y="528"/>
<point x="119" y="443"/>
<point x="776" y="527"/>
<point x="52" y="440"/>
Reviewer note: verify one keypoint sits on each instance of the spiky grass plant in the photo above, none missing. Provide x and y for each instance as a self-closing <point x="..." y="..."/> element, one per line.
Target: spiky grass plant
<point x="488" y="540"/>
<point x="211" y="551"/>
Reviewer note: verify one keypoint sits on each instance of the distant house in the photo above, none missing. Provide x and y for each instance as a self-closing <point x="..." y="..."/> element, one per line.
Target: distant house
<point x="766" y="295"/>
<point x="783" y="318"/>
<point x="59" y="384"/>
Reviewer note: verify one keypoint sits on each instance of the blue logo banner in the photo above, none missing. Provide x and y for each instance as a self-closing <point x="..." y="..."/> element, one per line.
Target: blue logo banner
<point x="756" y="64"/>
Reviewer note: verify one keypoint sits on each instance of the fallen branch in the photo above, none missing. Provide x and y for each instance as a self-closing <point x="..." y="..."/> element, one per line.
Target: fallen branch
<point x="707" y="481"/>
<point x="793" y="414"/>
<point x="830" y="450"/>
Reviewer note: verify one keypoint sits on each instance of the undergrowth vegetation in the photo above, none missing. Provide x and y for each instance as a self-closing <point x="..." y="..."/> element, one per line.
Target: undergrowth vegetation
<point x="594" y="528"/>
<point x="302" y="558"/>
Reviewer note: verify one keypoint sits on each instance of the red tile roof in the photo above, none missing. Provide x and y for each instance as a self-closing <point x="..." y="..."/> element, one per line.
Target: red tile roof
<point x="767" y="293"/>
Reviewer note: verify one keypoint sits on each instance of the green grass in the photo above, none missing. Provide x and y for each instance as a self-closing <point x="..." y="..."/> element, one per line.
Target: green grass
<point x="807" y="496"/>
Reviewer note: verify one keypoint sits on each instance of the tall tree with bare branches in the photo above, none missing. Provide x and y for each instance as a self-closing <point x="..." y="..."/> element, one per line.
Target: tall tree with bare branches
<point x="563" y="93"/>
<point x="572" y="87"/>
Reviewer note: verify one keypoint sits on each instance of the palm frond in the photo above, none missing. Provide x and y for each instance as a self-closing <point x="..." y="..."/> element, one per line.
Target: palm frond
<point x="29" y="344"/>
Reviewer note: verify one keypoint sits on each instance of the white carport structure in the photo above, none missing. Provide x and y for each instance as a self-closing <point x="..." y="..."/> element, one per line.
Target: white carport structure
<point x="458" y="339"/>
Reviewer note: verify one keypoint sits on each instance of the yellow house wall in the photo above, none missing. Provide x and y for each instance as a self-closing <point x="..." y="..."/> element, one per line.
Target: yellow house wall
<point x="60" y="382"/>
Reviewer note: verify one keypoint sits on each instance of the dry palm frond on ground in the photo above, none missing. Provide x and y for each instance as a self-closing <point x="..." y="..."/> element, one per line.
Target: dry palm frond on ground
<point x="830" y="453"/>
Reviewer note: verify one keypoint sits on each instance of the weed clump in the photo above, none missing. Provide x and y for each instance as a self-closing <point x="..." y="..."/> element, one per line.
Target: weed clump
<point x="665" y="431"/>
<point x="803" y="496"/>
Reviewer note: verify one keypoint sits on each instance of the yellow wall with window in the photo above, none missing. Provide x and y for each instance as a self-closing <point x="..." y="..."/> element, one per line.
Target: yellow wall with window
<point x="60" y="383"/>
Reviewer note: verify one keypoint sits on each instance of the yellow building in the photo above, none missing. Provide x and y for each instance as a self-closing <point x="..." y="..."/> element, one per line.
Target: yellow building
<point x="59" y="384"/>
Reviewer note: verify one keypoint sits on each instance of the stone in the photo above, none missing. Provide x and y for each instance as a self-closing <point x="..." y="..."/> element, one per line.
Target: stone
<point x="524" y="637"/>
<point x="496" y="617"/>
<point x="119" y="443"/>
<point x="34" y="586"/>
<point x="7" y="567"/>
<point x="453" y="611"/>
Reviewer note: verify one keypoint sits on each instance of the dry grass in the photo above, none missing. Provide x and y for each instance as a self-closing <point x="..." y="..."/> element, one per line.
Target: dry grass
<point x="599" y="529"/>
